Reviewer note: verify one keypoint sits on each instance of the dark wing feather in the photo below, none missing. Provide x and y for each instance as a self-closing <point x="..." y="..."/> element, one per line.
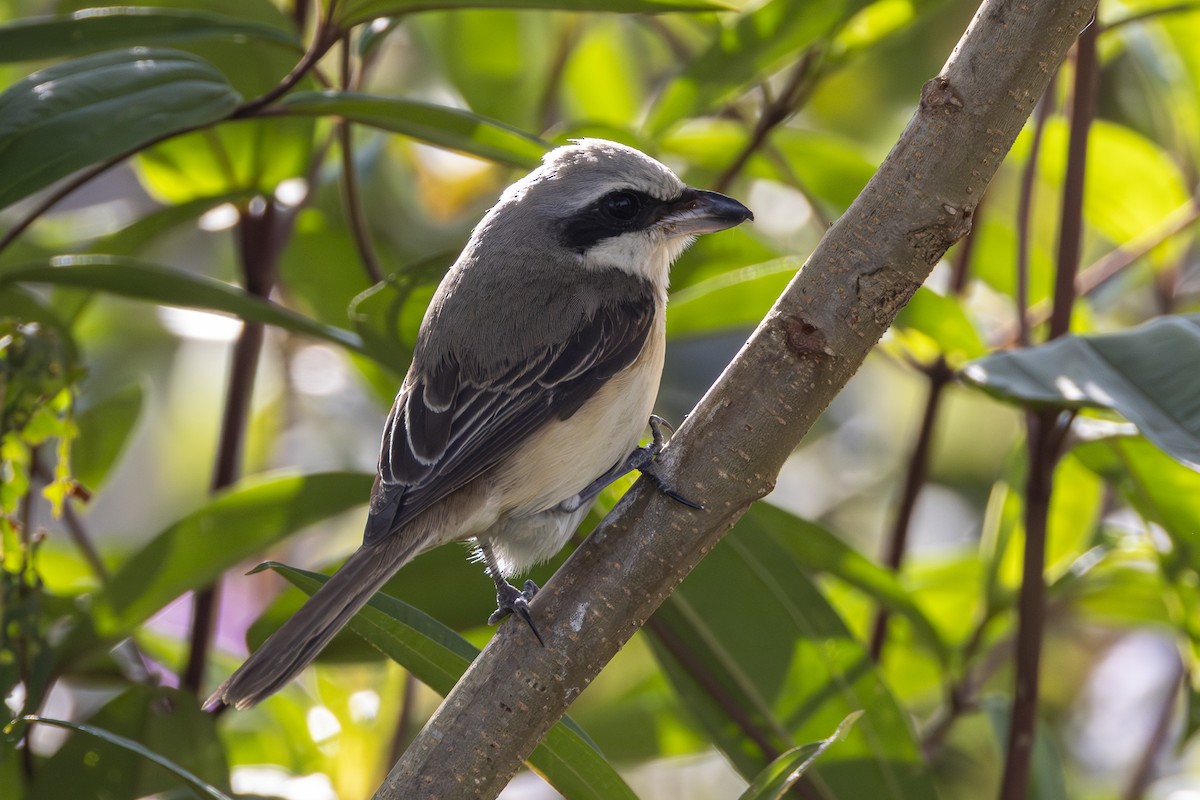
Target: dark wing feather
<point x="445" y="430"/>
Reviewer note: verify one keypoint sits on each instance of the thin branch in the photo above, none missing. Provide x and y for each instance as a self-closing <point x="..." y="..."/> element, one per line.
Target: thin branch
<point x="259" y="245"/>
<point x="730" y="449"/>
<point x="324" y="38"/>
<point x="1045" y="438"/>
<point x="356" y="216"/>
<point x="799" y="85"/>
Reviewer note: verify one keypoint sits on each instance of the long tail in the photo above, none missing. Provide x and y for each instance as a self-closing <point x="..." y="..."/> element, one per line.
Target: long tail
<point x="292" y="647"/>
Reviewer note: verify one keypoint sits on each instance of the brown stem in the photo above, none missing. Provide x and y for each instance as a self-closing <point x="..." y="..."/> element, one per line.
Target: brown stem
<point x="356" y="216"/>
<point x="325" y="37"/>
<point x="799" y="84"/>
<point x="940" y="374"/>
<point x="76" y="530"/>
<point x="259" y="243"/>
<point x="1044" y="438"/>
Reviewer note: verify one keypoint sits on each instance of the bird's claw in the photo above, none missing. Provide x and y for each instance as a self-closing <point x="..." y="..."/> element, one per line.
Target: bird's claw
<point x="511" y="600"/>
<point x="652" y="450"/>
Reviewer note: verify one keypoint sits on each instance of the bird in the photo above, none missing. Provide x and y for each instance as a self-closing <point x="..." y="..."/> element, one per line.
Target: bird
<point x="533" y="377"/>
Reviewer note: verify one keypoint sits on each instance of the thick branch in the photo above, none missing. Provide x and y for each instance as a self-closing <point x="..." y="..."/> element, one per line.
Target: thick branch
<point x="731" y="448"/>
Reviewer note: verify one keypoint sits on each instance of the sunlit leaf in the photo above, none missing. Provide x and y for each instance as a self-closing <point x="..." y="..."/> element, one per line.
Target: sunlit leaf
<point x="80" y="112"/>
<point x="746" y="51"/>
<point x="94" y="29"/>
<point x="440" y="125"/>
<point x="945" y="323"/>
<point x="145" y="741"/>
<point x="141" y="281"/>
<point x="438" y="656"/>
<point x="232" y="527"/>
<point x="737" y="299"/>
<point x="1147" y="374"/>
<point x="782" y="773"/>
<point x="356" y="11"/>
<point x="763" y="661"/>
<point x="1161" y="489"/>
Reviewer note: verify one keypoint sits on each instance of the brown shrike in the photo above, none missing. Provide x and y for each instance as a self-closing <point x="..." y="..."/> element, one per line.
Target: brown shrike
<point x="533" y="377"/>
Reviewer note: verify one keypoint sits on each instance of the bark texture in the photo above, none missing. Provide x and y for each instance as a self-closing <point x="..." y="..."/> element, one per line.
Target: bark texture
<point x="730" y="450"/>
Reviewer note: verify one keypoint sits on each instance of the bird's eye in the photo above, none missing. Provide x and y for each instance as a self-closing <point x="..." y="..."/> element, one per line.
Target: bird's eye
<point x="622" y="206"/>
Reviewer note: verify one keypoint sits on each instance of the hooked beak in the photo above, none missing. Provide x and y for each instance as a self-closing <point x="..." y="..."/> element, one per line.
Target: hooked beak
<point x="699" y="211"/>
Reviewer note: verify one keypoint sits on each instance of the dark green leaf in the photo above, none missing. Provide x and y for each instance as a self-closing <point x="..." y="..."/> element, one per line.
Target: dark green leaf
<point x="234" y="526"/>
<point x="97" y="29"/>
<point x="140" y="728"/>
<point x="128" y="277"/>
<point x="1147" y="374"/>
<point x="354" y="12"/>
<point x="763" y="661"/>
<point x="817" y="549"/>
<point x="447" y="127"/>
<point x="747" y="51"/>
<point x="80" y="112"/>
<point x="782" y="773"/>
<point x="104" y="428"/>
<point x="438" y="656"/>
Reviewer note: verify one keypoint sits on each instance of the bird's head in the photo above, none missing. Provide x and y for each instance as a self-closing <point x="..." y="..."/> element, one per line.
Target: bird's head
<point x="611" y="206"/>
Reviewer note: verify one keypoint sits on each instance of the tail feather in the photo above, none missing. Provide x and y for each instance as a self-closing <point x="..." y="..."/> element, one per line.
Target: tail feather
<point x="293" y="647"/>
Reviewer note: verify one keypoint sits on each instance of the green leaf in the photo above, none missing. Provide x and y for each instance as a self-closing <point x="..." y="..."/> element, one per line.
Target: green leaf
<point x="943" y="321"/>
<point x="782" y="773"/>
<point x="233" y="526"/>
<point x="1147" y="374"/>
<point x="817" y="549"/>
<point x="128" y="277"/>
<point x="438" y="657"/>
<point x="95" y="29"/>
<point x="447" y="127"/>
<point x="143" y="724"/>
<point x="138" y="234"/>
<point x="1162" y="490"/>
<point x="763" y="661"/>
<point x="747" y="51"/>
<point x="730" y="301"/>
<point x="80" y="112"/>
<point x="358" y="11"/>
<point x="104" y="428"/>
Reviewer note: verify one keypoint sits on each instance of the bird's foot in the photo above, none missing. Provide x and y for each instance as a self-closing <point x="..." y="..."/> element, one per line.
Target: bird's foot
<point x="511" y="600"/>
<point x="650" y="452"/>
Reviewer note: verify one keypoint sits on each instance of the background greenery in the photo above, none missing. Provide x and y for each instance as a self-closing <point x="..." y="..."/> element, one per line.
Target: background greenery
<point x="326" y="209"/>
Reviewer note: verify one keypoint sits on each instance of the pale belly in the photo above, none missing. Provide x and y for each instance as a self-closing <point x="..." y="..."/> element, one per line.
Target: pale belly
<point x="567" y="456"/>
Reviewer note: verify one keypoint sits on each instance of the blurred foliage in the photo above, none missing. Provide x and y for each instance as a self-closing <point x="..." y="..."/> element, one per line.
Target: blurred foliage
<point x="211" y="184"/>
